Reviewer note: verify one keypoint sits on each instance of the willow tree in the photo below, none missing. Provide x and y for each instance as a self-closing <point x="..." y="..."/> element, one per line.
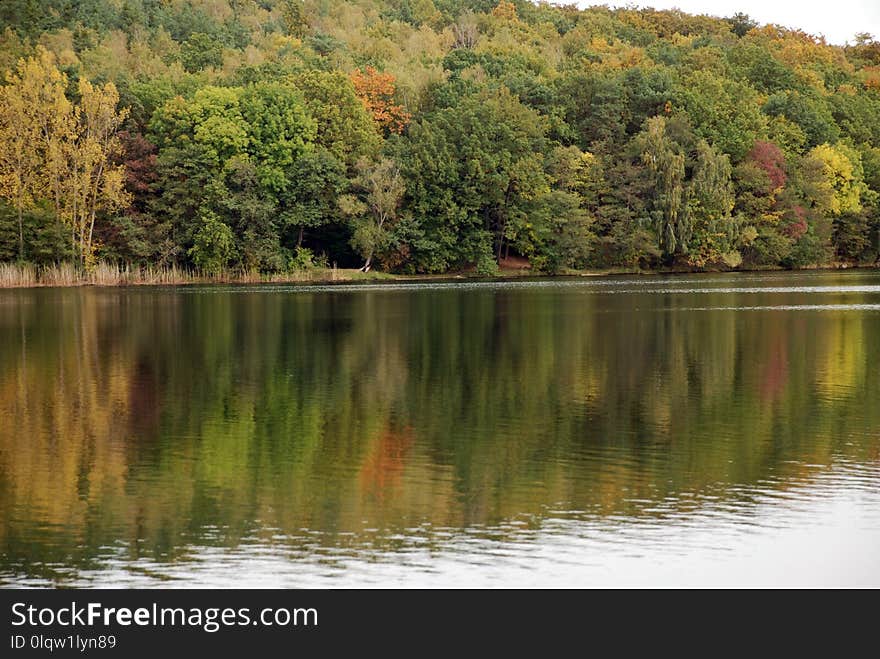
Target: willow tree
<point x="666" y="166"/>
<point x="710" y="200"/>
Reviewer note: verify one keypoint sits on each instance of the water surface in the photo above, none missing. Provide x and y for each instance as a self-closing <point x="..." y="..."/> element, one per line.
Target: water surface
<point x="716" y="429"/>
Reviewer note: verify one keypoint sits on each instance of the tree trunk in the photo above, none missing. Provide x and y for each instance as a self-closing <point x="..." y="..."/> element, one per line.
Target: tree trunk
<point x="367" y="264"/>
<point x="20" y="235"/>
<point x="299" y="241"/>
<point x="502" y="227"/>
<point x="91" y="232"/>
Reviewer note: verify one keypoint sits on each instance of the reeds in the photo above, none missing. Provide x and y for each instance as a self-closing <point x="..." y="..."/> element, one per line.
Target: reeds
<point x="15" y="275"/>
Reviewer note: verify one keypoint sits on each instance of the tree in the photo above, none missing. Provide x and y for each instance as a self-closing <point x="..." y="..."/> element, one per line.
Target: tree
<point x="558" y="232"/>
<point x="239" y="199"/>
<point x="233" y="151"/>
<point x="374" y="205"/>
<point x="505" y="10"/>
<point x="141" y="236"/>
<point x="93" y="182"/>
<point x="294" y="15"/>
<point x="666" y="167"/>
<point x="834" y="179"/>
<point x="472" y="169"/>
<point x="316" y="179"/>
<point x="763" y="206"/>
<point x="376" y="91"/>
<point x="725" y="112"/>
<point x="465" y="31"/>
<point x="279" y="129"/>
<point x="214" y="244"/>
<point x="344" y="126"/>
<point x="184" y="173"/>
<point x="72" y="150"/>
<point x="23" y="99"/>
<point x="770" y="158"/>
<point x="808" y="111"/>
<point x="201" y="51"/>
<point x="710" y="202"/>
<point x="741" y="24"/>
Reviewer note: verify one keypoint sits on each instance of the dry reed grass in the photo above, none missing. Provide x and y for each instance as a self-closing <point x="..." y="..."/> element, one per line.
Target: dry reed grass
<point x="15" y="275"/>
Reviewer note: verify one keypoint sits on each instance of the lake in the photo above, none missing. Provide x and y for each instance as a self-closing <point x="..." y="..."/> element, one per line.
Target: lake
<point x="650" y="431"/>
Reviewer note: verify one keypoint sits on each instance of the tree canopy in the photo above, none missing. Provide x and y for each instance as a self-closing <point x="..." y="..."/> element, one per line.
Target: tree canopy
<point x="431" y="136"/>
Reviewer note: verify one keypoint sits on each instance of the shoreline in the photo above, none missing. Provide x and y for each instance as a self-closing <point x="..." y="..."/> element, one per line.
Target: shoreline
<point x="15" y="277"/>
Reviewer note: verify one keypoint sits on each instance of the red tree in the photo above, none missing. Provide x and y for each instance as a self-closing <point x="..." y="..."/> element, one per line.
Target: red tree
<point x="770" y="158"/>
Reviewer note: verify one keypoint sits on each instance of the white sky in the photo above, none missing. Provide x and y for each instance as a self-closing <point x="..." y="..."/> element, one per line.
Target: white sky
<point x="838" y="20"/>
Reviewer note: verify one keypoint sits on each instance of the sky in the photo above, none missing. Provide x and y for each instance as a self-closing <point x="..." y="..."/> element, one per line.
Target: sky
<point x="837" y="20"/>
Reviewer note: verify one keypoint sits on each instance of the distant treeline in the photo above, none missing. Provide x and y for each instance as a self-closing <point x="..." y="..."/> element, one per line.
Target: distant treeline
<point x="427" y="136"/>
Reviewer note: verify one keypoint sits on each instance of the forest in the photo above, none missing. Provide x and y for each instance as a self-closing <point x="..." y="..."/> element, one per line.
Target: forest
<point x="430" y="137"/>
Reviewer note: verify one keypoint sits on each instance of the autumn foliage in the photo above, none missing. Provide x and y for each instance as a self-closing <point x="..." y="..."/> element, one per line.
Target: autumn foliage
<point x="770" y="158"/>
<point x="505" y="10"/>
<point x="431" y="136"/>
<point x="377" y="92"/>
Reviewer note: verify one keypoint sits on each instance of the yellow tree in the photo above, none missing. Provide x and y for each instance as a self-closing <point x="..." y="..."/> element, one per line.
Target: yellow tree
<point x="505" y="10"/>
<point x="51" y="148"/>
<point x="17" y="162"/>
<point x="32" y="108"/>
<point x="93" y="183"/>
<point x="836" y="185"/>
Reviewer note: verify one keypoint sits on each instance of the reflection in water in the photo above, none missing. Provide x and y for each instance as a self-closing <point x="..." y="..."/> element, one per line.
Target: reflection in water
<point x="658" y="430"/>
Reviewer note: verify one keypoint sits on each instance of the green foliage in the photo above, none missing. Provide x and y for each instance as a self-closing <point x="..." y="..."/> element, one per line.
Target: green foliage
<point x="45" y="240"/>
<point x="314" y="182"/>
<point x="711" y="200"/>
<point x="559" y="229"/>
<point x="303" y="259"/>
<point x="574" y="138"/>
<point x="214" y="244"/>
<point x="809" y="112"/>
<point x="373" y="205"/>
<point x="279" y="129"/>
<point x="344" y="128"/>
<point x="200" y="51"/>
<point x="723" y="111"/>
<point x="665" y="165"/>
<point x="472" y="168"/>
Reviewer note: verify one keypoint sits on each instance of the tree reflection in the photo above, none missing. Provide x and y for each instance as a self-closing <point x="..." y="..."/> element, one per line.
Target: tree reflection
<point x="148" y="421"/>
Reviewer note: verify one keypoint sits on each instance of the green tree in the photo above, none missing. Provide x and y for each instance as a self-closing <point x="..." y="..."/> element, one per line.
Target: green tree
<point x="472" y="169"/>
<point x="214" y="244"/>
<point x="710" y="203"/>
<point x="234" y="150"/>
<point x="200" y="51"/>
<point x="808" y="111"/>
<point x="665" y="165"/>
<point x="344" y="127"/>
<point x="725" y="112"/>
<point x="315" y="181"/>
<point x="374" y="206"/>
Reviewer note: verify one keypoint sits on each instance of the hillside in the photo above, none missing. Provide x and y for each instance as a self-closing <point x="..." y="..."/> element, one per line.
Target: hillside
<point x="429" y="136"/>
